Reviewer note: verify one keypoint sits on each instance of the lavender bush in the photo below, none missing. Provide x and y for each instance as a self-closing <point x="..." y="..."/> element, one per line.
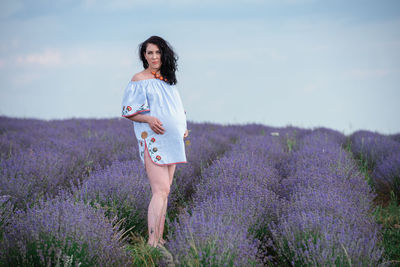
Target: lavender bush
<point x="62" y="231"/>
<point x="233" y="201"/>
<point x="395" y="137"/>
<point x="6" y="213"/>
<point x="249" y="195"/>
<point x="328" y="218"/>
<point x="380" y="154"/>
<point x="122" y="189"/>
<point x="372" y="147"/>
<point x="27" y="176"/>
<point x="206" y="239"/>
<point x="38" y="157"/>
<point x="205" y="143"/>
<point x="68" y="136"/>
<point x="386" y="175"/>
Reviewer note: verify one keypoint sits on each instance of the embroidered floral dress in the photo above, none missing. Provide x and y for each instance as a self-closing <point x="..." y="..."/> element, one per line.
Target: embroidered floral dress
<point x="157" y="98"/>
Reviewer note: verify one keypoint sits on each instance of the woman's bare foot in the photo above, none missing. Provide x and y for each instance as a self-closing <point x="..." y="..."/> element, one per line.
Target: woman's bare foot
<point x="152" y="244"/>
<point x="162" y="241"/>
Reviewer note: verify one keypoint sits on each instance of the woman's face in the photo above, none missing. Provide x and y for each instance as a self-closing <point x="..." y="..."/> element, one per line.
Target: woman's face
<point x="153" y="56"/>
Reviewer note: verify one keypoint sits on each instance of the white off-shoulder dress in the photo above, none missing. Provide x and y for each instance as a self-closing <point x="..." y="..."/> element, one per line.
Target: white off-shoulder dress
<point x="157" y="98"/>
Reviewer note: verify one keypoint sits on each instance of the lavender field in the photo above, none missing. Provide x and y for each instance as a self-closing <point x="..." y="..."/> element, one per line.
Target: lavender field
<point x="74" y="193"/>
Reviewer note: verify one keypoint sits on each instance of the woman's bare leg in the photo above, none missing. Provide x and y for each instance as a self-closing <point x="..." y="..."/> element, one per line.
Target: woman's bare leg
<point x="160" y="186"/>
<point x="171" y="171"/>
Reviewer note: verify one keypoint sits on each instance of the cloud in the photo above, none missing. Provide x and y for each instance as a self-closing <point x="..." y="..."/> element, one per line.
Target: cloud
<point x="48" y="58"/>
<point x="95" y="54"/>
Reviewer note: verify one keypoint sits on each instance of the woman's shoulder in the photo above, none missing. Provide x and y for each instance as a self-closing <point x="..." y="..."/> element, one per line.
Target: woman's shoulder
<point x="143" y="79"/>
<point x="136" y="83"/>
<point x="140" y="76"/>
<point x="137" y="77"/>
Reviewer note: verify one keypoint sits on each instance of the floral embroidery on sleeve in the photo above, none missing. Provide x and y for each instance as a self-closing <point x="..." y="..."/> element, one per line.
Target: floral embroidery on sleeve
<point x="126" y="110"/>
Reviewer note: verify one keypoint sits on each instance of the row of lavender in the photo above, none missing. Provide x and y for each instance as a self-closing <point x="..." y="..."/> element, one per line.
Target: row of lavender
<point x="40" y="223"/>
<point x="110" y="192"/>
<point x="54" y="213"/>
<point x="381" y="156"/>
<point x="39" y="157"/>
<point x="327" y="220"/>
<point x="261" y="205"/>
<point x="236" y="195"/>
<point x="123" y="189"/>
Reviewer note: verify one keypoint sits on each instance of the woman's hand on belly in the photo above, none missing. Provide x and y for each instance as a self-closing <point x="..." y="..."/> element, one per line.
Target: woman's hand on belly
<point x="155" y="124"/>
<point x="186" y="133"/>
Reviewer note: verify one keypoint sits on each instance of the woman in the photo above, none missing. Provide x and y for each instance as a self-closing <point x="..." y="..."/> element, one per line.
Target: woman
<point x="152" y="102"/>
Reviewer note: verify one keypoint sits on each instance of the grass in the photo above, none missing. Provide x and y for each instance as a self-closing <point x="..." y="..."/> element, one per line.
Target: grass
<point x="389" y="218"/>
<point x="143" y="254"/>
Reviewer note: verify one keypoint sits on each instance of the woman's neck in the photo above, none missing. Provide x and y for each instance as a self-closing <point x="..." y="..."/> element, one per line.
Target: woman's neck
<point x="150" y="70"/>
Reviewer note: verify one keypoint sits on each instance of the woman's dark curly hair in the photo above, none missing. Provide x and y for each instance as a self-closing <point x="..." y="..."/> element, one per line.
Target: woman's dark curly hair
<point x="168" y="58"/>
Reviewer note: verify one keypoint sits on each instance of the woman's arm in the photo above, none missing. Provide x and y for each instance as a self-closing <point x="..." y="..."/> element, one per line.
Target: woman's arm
<point x="154" y="123"/>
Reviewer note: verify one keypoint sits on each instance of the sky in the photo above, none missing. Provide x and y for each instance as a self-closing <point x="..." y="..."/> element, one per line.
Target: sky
<point x="304" y="63"/>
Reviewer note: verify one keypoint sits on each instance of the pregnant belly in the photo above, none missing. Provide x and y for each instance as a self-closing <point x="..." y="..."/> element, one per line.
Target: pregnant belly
<point x="174" y="127"/>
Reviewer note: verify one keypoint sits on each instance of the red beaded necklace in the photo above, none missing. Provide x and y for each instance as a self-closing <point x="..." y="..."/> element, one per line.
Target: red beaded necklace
<point x="158" y="76"/>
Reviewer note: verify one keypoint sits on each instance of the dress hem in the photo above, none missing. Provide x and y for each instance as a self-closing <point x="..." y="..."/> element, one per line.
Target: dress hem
<point x="166" y="164"/>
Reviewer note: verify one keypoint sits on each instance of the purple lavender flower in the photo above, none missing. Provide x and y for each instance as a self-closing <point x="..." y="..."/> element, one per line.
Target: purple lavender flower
<point x="395" y="137"/>
<point x="122" y="189"/>
<point x="59" y="230"/>
<point x="381" y="154"/>
<point x="386" y="175"/>
<point x="372" y="147"/>
<point x="37" y="157"/>
<point x="327" y="220"/>
<point x="242" y="185"/>
<point x="204" y="239"/>
<point x="233" y="202"/>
